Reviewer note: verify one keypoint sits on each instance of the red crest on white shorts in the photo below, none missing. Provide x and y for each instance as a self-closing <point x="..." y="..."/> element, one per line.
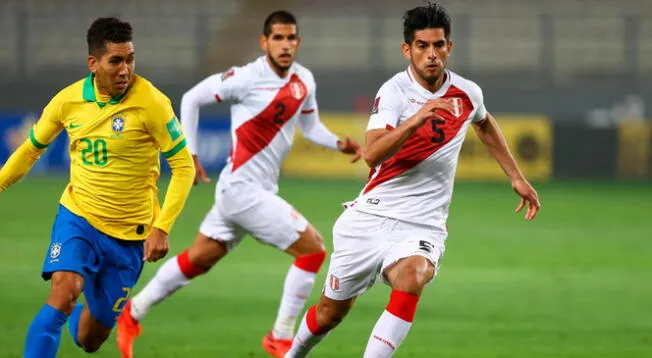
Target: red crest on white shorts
<point x="334" y="283"/>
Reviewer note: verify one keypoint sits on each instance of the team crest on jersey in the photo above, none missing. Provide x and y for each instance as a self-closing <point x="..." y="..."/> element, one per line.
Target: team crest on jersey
<point x="374" y="108"/>
<point x="458" y="108"/>
<point x="297" y="90"/>
<point x="55" y="250"/>
<point x="118" y="124"/>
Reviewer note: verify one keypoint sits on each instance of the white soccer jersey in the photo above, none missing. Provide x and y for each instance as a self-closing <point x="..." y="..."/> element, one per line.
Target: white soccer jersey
<point x="265" y="110"/>
<point x="416" y="184"/>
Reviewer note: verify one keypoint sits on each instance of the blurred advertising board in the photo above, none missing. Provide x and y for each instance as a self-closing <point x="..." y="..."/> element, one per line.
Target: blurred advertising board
<point x="529" y="137"/>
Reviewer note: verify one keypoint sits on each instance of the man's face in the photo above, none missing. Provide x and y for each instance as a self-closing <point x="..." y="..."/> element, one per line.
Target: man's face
<point x="114" y="68"/>
<point x="428" y="53"/>
<point x="281" y="45"/>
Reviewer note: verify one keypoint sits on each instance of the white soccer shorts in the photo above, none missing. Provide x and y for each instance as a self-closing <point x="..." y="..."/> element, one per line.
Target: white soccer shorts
<point x="242" y="208"/>
<point x="366" y="244"/>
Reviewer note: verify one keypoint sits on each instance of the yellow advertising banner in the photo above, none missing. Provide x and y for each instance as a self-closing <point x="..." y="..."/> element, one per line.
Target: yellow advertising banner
<point x="309" y="160"/>
<point x="635" y="150"/>
<point x="529" y="137"/>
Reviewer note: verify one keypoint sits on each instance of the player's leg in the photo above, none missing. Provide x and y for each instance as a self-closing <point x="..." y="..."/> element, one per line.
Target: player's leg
<point x="317" y="322"/>
<point x="358" y="254"/>
<point x="107" y="293"/>
<point x="70" y="262"/>
<point x="408" y="268"/>
<point x="216" y="237"/>
<point x="309" y="254"/>
<point x="44" y="333"/>
<point x="177" y="272"/>
<point x="273" y="221"/>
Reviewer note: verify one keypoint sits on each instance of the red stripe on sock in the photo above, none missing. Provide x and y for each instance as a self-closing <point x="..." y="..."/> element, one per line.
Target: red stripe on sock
<point x="310" y="262"/>
<point x="188" y="268"/>
<point x="311" y="322"/>
<point x="403" y="305"/>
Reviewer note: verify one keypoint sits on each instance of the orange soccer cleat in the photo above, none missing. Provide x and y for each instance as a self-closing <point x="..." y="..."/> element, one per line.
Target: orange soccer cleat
<point x="128" y="330"/>
<point x="276" y="347"/>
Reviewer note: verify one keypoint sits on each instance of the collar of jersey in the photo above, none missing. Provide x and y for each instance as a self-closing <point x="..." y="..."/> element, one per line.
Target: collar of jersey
<point x="89" y="93"/>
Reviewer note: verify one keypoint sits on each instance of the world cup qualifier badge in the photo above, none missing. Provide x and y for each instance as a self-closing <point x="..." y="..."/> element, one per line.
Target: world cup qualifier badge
<point x="374" y="108"/>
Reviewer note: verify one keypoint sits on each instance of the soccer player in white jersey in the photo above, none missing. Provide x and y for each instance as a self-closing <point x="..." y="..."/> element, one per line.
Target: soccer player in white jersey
<point x="396" y="228"/>
<point x="269" y="97"/>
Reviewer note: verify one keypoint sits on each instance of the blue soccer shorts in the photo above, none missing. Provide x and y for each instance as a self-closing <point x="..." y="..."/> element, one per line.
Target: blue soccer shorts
<point x="110" y="266"/>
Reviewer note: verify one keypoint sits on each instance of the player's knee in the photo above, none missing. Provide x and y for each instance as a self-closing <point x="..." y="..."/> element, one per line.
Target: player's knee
<point x="64" y="292"/>
<point x="92" y="345"/>
<point x="413" y="277"/>
<point x="92" y="338"/>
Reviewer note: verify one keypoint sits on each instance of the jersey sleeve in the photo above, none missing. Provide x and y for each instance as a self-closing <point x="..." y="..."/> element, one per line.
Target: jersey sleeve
<point x="312" y="127"/>
<point x="230" y="85"/>
<point x="164" y="127"/>
<point x="386" y="110"/>
<point x="478" y="99"/>
<point x="48" y="126"/>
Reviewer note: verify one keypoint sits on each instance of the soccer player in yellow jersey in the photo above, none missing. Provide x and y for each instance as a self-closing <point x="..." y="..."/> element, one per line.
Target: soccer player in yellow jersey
<point x="109" y="221"/>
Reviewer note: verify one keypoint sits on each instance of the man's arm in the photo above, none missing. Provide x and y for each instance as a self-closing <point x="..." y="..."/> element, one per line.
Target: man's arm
<point x="227" y="86"/>
<point x="492" y="137"/>
<point x="173" y="146"/>
<point x="22" y="160"/>
<point x="315" y="131"/>
<point x="382" y="143"/>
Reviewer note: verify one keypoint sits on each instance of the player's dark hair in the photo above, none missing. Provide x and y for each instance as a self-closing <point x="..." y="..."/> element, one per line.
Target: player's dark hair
<point x="432" y="16"/>
<point x="107" y="29"/>
<point x="278" y="17"/>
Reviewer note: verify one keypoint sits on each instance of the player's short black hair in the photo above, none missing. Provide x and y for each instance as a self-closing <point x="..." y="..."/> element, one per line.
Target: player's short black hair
<point x="278" y="17"/>
<point x="107" y="29"/>
<point x="432" y="16"/>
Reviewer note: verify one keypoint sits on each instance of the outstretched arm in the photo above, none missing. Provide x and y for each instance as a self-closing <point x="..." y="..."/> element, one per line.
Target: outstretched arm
<point x="23" y="159"/>
<point x="315" y="131"/>
<point x="492" y="137"/>
<point x="19" y="164"/>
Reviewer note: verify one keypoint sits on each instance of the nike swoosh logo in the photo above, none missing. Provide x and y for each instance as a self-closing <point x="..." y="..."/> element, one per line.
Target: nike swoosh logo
<point x="73" y="125"/>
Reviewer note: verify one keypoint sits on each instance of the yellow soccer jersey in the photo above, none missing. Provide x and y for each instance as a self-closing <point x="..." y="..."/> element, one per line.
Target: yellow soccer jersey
<point x="114" y="153"/>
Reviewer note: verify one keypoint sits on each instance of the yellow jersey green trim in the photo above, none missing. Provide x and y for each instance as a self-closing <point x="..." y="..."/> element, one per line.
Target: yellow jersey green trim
<point x="35" y="142"/>
<point x="88" y="93"/>
<point x="175" y="150"/>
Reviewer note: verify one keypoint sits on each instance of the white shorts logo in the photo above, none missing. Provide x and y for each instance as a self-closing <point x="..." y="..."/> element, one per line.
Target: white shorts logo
<point x="55" y="250"/>
<point x="334" y="283"/>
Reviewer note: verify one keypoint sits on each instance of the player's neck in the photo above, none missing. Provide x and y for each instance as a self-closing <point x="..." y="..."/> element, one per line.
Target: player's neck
<point x="280" y="72"/>
<point x="432" y="87"/>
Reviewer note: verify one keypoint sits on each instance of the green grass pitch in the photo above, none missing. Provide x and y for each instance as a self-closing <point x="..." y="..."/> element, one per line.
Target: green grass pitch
<point x="577" y="282"/>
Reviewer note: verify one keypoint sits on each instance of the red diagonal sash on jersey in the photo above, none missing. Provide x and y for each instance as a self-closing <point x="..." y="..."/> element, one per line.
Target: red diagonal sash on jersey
<point x="427" y="140"/>
<point x="256" y="133"/>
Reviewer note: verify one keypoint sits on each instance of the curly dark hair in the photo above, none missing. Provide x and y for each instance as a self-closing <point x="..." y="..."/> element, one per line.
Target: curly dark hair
<point x="107" y="29"/>
<point x="430" y="16"/>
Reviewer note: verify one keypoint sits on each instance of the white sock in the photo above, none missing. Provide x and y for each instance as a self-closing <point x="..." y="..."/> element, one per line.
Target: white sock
<point x="297" y="288"/>
<point x="305" y="339"/>
<point x="168" y="279"/>
<point x="387" y="335"/>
